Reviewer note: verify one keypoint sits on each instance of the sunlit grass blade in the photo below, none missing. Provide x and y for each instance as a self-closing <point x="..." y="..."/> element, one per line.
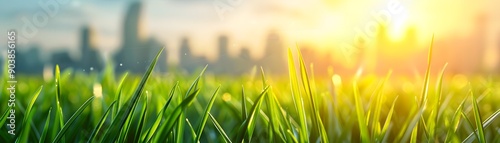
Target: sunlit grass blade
<point x="100" y="123"/>
<point x="205" y="115"/>
<point x="249" y="124"/>
<point x="180" y="123"/>
<point x="71" y="120"/>
<point x="454" y="122"/>
<point x="477" y="117"/>
<point x="316" y="120"/>
<point x="45" y="127"/>
<point x="59" y="117"/>
<point x="486" y="123"/>
<point x="124" y="113"/>
<point x="297" y="98"/>
<point x="220" y="129"/>
<point x="365" y="137"/>
<point x="388" y="121"/>
<point x="118" y="97"/>
<point x="160" y="115"/>
<point x="244" y="111"/>
<point x="191" y="130"/>
<point x="168" y="125"/>
<point x="433" y="118"/>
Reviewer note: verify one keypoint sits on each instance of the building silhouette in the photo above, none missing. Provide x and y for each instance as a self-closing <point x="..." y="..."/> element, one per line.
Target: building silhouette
<point x="90" y="58"/>
<point x="27" y="61"/>
<point x="187" y="60"/>
<point x="136" y="53"/>
<point x="274" y="60"/>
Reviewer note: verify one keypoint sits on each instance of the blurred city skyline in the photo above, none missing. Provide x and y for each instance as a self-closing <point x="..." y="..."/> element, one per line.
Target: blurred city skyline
<point x="320" y="25"/>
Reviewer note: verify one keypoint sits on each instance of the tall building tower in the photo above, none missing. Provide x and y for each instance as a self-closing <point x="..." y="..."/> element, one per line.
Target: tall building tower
<point x="90" y="58"/>
<point x="223" y="51"/>
<point x="274" y="59"/>
<point x="224" y="62"/>
<point x="137" y="51"/>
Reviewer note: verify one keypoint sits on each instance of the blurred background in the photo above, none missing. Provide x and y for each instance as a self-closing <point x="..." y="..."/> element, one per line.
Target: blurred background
<point x="232" y="36"/>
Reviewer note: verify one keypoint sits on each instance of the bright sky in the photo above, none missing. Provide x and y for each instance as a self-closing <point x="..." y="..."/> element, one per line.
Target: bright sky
<point x="321" y="23"/>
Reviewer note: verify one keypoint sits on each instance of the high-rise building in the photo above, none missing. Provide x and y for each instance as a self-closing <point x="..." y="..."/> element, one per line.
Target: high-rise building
<point x="90" y="58"/>
<point x="274" y="59"/>
<point x="136" y="53"/>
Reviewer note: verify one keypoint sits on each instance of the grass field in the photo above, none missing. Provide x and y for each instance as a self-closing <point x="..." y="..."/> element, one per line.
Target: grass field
<point x="174" y="107"/>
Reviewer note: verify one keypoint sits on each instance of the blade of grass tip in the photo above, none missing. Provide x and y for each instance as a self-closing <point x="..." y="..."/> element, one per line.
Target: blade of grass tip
<point x="378" y="106"/>
<point x="271" y="106"/>
<point x="297" y="98"/>
<point x="249" y="124"/>
<point x="101" y="122"/>
<point x="155" y="125"/>
<point x="205" y="115"/>
<point x="220" y="129"/>
<point x="4" y="116"/>
<point x="142" y="119"/>
<point x="425" y="91"/>
<point x="387" y="120"/>
<point x="477" y="117"/>
<point x="469" y="123"/>
<point x="244" y="112"/>
<point x="180" y="123"/>
<point x="45" y="128"/>
<point x="434" y="118"/>
<point x="486" y="123"/>
<point x="316" y="119"/>
<point x="59" y="119"/>
<point x="294" y="140"/>
<point x="168" y="126"/>
<point x="119" y="121"/>
<point x="455" y="122"/>
<point x="361" y="114"/>
<point x="23" y="137"/>
<point x="191" y="130"/>
<point x="71" y="120"/>
<point x="128" y="123"/>
<point x="118" y="97"/>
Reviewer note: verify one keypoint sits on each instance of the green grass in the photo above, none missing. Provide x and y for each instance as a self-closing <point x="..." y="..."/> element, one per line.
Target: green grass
<point x="176" y="107"/>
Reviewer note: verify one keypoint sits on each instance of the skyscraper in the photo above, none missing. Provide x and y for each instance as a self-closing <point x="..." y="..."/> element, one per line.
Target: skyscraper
<point x="274" y="59"/>
<point x="136" y="53"/>
<point x="90" y="58"/>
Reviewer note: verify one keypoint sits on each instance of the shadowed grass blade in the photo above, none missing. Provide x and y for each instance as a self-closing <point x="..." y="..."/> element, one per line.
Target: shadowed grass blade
<point x="71" y="120"/>
<point x="23" y="137"/>
<point x="101" y="122"/>
<point x="46" y="127"/>
<point x="220" y="129"/>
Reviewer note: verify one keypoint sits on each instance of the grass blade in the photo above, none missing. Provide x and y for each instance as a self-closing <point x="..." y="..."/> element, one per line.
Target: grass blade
<point x="69" y="123"/>
<point x="124" y="113"/>
<point x="101" y="122"/>
<point x="297" y="98"/>
<point x="220" y="129"/>
<point x="45" y="128"/>
<point x="23" y="137"/>
<point x="249" y="124"/>
<point x="205" y="115"/>
<point x="477" y="117"/>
